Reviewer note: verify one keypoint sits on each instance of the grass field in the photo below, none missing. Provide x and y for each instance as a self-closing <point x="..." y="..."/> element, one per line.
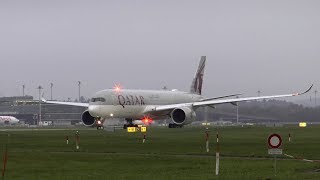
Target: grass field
<point x="167" y="154"/>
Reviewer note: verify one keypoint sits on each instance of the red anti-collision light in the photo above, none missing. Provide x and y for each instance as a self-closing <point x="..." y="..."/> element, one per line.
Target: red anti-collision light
<point x="147" y="120"/>
<point x="117" y="87"/>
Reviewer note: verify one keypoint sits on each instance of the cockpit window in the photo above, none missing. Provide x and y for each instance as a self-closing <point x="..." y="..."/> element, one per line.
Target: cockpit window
<point x="98" y="99"/>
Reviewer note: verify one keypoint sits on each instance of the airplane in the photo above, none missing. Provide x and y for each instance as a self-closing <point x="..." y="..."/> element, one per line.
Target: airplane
<point x="8" y="120"/>
<point x="149" y="105"/>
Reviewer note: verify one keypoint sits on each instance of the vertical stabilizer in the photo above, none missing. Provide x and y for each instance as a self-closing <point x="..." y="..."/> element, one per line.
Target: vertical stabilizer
<point x="196" y="86"/>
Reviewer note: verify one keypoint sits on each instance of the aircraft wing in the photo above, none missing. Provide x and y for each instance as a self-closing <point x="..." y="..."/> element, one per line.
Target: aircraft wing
<point x="66" y="103"/>
<point x="224" y="101"/>
<point x="220" y="97"/>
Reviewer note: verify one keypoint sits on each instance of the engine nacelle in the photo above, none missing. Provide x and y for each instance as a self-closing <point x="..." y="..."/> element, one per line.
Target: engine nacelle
<point x="184" y="115"/>
<point x="87" y="119"/>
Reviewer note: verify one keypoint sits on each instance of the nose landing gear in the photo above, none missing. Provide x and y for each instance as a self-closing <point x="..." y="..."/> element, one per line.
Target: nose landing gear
<point x="99" y="124"/>
<point x="100" y="127"/>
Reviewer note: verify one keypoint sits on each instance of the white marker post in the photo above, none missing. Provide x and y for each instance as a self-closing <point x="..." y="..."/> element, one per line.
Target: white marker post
<point x="67" y="139"/>
<point x="217" y="156"/>
<point x="5" y="157"/>
<point x="289" y="137"/>
<point x="144" y="138"/>
<point x="207" y="140"/>
<point x="77" y="140"/>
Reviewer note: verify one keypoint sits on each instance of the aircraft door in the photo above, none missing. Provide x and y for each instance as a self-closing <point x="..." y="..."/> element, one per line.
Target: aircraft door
<point x="114" y="100"/>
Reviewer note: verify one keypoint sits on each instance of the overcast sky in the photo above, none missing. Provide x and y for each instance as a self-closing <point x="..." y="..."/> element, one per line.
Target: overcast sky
<point x="272" y="45"/>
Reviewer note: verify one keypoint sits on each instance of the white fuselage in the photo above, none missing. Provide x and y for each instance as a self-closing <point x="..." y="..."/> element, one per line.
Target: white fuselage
<point x="8" y="120"/>
<point x="134" y="104"/>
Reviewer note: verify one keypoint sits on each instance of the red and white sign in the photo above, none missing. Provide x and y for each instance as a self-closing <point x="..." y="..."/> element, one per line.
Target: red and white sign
<point x="274" y="141"/>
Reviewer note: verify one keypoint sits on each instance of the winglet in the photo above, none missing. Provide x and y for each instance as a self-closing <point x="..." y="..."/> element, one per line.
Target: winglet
<point x="306" y="90"/>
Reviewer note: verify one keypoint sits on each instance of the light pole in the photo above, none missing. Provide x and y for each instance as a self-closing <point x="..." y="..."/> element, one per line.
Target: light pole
<point x="39" y="118"/>
<point x="259" y="93"/>
<point x="79" y="84"/>
<point x="23" y="87"/>
<point x="315" y="97"/>
<point x="51" y="86"/>
<point x="237" y="111"/>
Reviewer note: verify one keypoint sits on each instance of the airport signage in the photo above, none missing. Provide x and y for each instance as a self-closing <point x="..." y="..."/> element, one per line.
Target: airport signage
<point x="274" y="141"/>
<point x="136" y="129"/>
<point x="143" y="129"/>
<point x="131" y="129"/>
<point x="275" y="151"/>
<point x="302" y="124"/>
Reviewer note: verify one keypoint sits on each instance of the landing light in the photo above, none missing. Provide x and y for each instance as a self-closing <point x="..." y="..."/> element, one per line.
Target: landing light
<point x="111" y="115"/>
<point x="99" y="122"/>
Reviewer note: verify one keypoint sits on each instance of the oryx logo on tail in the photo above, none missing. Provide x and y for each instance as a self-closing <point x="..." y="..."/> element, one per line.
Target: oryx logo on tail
<point x="196" y="86"/>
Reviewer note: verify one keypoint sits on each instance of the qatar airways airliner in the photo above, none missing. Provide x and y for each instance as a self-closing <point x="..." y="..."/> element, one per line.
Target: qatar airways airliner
<point x="149" y="105"/>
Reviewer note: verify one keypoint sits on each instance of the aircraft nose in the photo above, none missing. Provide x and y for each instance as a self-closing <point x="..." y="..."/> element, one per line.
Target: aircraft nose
<point x="94" y="110"/>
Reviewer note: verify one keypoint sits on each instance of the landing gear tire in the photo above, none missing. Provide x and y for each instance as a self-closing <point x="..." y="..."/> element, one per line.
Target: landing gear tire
<point x="172" y="125"/>
<point x="125" y="126"/>
<point x="129" y="124"/>
<point x="100" y="127"/>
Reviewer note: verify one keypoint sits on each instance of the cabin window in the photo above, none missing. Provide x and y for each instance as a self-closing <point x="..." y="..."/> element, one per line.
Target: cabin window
<point x="98" y="99"/>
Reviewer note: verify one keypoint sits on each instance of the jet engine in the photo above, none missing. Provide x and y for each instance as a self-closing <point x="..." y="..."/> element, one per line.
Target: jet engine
<point x="184" y="115"/>
<point x="87" y="119"/>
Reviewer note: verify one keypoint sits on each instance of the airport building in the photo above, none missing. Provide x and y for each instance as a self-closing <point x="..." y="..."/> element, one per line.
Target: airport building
<point x="30" y="111"/>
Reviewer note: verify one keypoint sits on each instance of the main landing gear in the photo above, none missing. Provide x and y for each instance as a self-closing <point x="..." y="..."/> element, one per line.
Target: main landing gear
<point x="173" y="125"/>
<point x="129" y="124"/>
